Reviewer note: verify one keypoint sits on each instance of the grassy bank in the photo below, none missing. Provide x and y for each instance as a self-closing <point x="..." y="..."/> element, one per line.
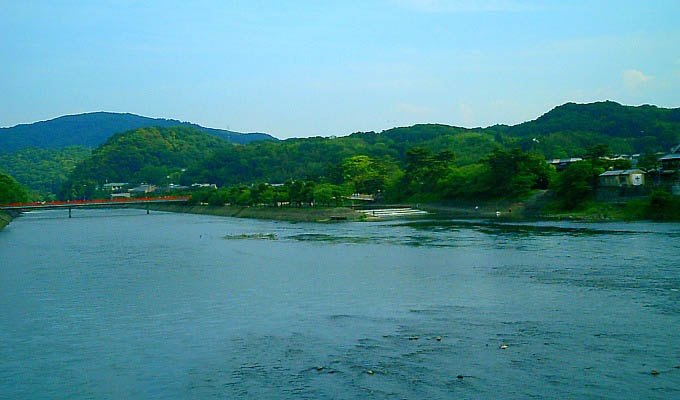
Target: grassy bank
<point x="592" y="211"/>
<point x="292" y="214"/>
<point x="5" y="219"/>
<point x="658" y="206"/>
<point x="508" y="209"/>
<point x="540" y="205"/>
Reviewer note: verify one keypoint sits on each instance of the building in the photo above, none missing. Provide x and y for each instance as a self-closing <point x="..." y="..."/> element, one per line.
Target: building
<point x="173" y="186"/>
<point x="562" y="163"/>
<point x="143" y="189"/>
<point x="669" y="171"/>
<point x="671" y="162"/>
<point x="361" y="197"/>
<point x="203" y="186"/>
<point x="124" y="195"/>
<point x="621" y="185"/>
<point x="114" y="186"/>
<point x="622" y="177"/>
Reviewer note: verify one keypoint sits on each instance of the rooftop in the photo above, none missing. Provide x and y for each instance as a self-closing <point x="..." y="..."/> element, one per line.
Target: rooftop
<point x="622" y="172"/>
<point x="674" y="156"/>
<point x="564" y="160"/>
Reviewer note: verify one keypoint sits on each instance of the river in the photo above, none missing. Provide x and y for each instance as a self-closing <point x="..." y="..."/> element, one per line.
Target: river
<point x="115" y="304"/>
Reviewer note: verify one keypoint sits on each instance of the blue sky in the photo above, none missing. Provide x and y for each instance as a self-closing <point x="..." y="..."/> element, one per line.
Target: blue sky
<point x="307" y="68"/>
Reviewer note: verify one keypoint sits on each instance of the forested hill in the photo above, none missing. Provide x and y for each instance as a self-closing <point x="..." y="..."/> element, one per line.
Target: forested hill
<point x="92" y="129"/>
<point x="565" y="131"/>
<point x="568" y="130"/>
<point x="562" y="132"/>
<point x="147" y="155"/>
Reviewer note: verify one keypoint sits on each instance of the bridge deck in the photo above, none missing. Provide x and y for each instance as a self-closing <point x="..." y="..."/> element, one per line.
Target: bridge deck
<point x="91" y="203"/>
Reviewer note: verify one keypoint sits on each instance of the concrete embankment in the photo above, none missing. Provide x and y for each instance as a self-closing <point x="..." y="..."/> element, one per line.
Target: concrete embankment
<point x="293" y="214"/>
<point x="5" y="219"/>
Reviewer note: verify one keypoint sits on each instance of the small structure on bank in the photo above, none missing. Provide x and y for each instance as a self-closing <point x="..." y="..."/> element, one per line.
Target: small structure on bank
<point x="203" y="186"/>
<point x="621" y="185"/>
<point x="114" y="186"/>
<point x="361" y="197"/>
<point x="667" y="175"/>
<point x="670" y="163"/>
<point x="561" y="164"/>
<point x="143" y="189"/>
<point x="622" y="177"/>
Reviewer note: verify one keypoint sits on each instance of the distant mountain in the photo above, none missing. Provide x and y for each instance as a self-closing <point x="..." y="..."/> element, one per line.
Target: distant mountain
<point x="92" y="129"/>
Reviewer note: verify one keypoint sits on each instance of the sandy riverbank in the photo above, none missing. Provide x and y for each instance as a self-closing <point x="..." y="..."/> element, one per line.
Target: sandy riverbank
<point x="292" y="214"/>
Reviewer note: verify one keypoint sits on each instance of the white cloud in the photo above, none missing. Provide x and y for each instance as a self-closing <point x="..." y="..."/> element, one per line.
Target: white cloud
<point x="633" y="78"/>
<point x="453" y="6"/>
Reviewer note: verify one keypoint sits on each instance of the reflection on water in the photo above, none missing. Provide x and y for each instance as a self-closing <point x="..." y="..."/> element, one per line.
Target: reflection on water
<point x="119" y="304"/>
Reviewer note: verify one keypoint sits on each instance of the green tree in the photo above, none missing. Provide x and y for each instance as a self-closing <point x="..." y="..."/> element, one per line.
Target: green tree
<point x="11" y="191"/>
<point x="662" y="206"/>
<point x="296" y="193"/>
<point x="599" y="150"/>
<point x="514" y="173"/>
<point x="648" y="161"/>
<point x="575" y="185"/>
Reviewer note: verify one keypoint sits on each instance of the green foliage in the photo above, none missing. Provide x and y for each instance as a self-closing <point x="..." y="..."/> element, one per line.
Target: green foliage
<point x="648" y="161"/>
<point x="368" y="175"/>
<point x="576" y="184"/>
<point x="597" y="151"/>
<point x="43" y="170"/>
<point x="662" y="206"/>
<point x="11" y="191"/>
<point x="295" y="193"/>
<point x="514" y="173"/>
<point x="572" y="128"/>
<point x="424" y="170"/>
<point x="414" y="162"/>
<point x="463" y="182"/>
<point x="147" y="155"/>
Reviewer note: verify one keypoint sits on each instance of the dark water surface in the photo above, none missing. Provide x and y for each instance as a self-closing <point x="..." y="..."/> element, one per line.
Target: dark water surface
<point x="117" y="304"/>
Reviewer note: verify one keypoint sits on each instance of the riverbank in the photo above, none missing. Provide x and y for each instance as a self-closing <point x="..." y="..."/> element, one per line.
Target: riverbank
<point x="5" y="219"/>
<point x="484" y="210"/>
<point x="529" y="208"/>
<point x="291" y="214"/>
<point x="538" y="206"/>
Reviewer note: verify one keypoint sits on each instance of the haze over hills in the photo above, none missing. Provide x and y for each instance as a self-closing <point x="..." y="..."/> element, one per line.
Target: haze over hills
<point x="92" y="129"/>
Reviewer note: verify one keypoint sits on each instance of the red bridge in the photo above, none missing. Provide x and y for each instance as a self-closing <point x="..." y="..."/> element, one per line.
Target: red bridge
<point x="46" y="205"/>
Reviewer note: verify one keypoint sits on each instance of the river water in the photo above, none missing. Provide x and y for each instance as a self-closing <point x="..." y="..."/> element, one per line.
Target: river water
<point x="115" y="304"/>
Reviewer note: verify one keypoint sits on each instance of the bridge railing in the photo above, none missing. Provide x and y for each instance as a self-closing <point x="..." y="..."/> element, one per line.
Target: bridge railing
<point x="96" y="201"/>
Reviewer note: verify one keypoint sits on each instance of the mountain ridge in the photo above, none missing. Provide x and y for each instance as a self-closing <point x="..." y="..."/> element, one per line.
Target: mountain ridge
<point x="94" y="128"/>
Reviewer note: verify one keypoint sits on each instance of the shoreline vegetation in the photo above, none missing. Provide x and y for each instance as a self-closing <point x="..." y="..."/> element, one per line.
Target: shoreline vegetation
<point x="531" y="209"/>
<point x="5" y="219"/>
<point x="502" y="173"/>
<point x="290" y="214"/>
<point x="538" y="207"/>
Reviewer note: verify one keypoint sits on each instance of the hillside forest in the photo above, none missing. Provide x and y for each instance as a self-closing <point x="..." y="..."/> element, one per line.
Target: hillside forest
<point x="422" y="163"/>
